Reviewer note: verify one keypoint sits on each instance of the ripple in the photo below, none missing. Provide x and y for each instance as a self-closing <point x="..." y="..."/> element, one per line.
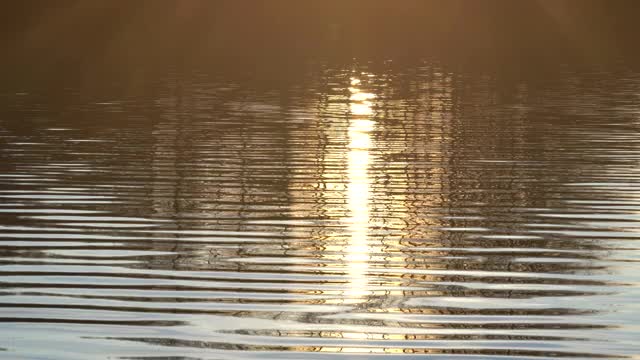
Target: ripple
<point x="360" y="211"/>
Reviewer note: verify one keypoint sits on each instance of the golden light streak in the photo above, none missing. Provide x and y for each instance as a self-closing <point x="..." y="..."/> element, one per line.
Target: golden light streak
<point x="358" y="191"/>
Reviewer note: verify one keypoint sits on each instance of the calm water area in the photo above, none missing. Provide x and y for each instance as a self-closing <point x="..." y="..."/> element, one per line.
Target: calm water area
<point x="339" y="211"/>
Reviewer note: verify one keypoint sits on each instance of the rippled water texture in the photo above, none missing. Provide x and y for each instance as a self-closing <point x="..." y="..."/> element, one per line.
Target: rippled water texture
<point x="348" y="212"/>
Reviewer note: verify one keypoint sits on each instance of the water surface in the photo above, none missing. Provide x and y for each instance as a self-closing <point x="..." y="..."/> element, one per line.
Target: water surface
<point x="349" y="211"/>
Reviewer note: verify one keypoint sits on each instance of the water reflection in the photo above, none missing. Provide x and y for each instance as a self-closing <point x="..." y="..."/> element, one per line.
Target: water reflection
<point x="361" y="209"/>
<point x="358" y="252"/>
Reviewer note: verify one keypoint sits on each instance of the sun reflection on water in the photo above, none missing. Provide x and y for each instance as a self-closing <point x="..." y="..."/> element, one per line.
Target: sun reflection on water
<point x="358" y="190"/>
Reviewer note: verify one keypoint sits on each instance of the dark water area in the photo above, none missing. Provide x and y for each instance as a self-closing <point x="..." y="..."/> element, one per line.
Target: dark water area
<point x="365" y="203"/>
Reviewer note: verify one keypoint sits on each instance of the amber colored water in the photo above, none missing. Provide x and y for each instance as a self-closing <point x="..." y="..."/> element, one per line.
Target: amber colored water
<point x="348" y="211"/>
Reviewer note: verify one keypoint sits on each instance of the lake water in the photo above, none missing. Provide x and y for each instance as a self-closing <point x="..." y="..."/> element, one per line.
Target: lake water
<point x="344" y="211"/>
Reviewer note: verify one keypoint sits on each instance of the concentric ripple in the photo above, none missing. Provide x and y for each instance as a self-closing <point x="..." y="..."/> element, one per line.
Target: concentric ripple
<point x="356" y="211"/>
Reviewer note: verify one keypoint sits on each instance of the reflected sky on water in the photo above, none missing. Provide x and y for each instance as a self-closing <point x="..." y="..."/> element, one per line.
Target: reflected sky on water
<point x="348" y="209"/>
